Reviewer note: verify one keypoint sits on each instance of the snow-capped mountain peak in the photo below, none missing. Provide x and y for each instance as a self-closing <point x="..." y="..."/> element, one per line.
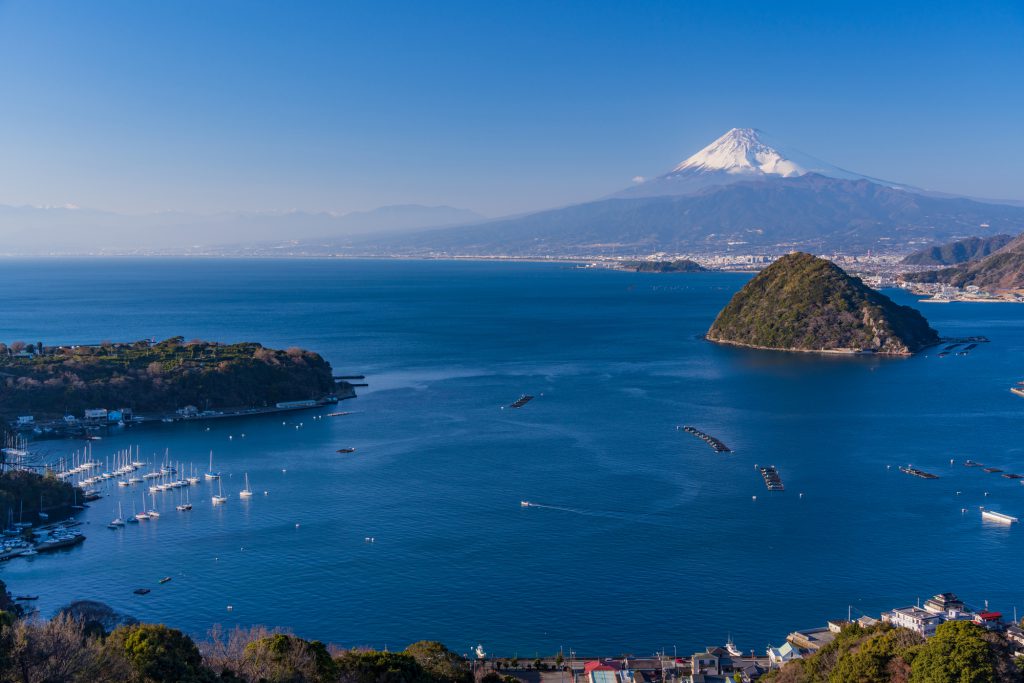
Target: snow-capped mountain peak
<point x="747" y="151"/>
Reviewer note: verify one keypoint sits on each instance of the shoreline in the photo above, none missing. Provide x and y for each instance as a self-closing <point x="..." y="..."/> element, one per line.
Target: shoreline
<point x="825" y="352"/>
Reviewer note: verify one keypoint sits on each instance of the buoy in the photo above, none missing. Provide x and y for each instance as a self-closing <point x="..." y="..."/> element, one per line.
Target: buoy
<point x="230" y="608"/>
<point x="296" y="526"/>
<point x="753" y="497"/>
<point x="283" y="471"/>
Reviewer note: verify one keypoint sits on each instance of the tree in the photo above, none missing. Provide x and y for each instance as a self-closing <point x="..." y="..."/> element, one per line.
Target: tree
<point x="283" y="658"/>
<point x="440" y="662"/>
<point x="17" y="347"/>
<point x="371" y="666"/>
<point x="957" y="653"/>
<point x="97" y="618"/>
<point x="158" y="654"/>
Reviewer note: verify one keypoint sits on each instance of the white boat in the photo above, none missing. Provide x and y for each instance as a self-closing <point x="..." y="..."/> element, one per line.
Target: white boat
<point x="185" y="506"/>
<point x="210" y="474"/>
<point x="220" y="498"/>
<point x="119" y="520"/>
<point x="998" y="517"/>
<point x="525" y="503"/>
<point x="246" y="492"/>
<point x="731" y="648"/>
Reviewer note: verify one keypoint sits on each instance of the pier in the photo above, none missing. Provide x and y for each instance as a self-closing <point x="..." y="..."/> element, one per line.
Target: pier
<point x="716" y="445"/>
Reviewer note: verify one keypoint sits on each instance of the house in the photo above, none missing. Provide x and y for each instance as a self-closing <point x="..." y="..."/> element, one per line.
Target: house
<point x="777" y="656"/>
<point x="921" y="622"/>
<point x="602" y="672"/>
<point x="1015" y="636"/>
<point x="187" y="411"/>
<point x="95" y="414"/>
<point x="993" y="621"/>
<point x="26" y="420"/>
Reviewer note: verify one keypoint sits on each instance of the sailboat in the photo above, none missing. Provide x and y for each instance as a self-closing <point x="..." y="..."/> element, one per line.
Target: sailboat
<point x="185" y="506"/>
<point x="143" y="515"/>
<point x="42" y="515"/>
<point x="246" y="492"/>
<point x="210" y="474"/>
<point x="134" y="518"/>
<point x="153" y="514"/>
<point x="119" y="520"/>
<point x="220" y="498"/>
<point x="192" y="478"/>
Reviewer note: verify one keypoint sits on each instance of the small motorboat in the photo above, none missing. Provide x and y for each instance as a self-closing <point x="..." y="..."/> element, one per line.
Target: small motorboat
<point x="346" y="450"/>
<point x="140" y="591"/>
<point x="525" y="503"/>
<point x="165" y="579"/>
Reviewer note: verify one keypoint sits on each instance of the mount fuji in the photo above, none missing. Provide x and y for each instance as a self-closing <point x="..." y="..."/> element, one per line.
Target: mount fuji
<point x="741" y="155"/>
<point x="744" y="192"/>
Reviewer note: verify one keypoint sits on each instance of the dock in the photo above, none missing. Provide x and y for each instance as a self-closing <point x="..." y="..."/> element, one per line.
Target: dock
<point x="918" y="473"/>
<point x="716" y="444"/>
<point x="772" y="480"/>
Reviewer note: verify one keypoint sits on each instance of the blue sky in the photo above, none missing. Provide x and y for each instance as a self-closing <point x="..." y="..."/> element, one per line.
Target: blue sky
<point x="493" y="106"/>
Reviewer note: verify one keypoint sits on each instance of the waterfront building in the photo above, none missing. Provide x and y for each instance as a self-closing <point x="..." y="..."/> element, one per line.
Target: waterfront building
<point x="813" y="639"/>
<point x="918" y="620"/>
<point x="943" y="603"/>
<point x="787" y="652"/>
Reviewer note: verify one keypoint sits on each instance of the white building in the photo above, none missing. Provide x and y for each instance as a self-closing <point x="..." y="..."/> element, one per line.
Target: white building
<point x="918" y="620"/>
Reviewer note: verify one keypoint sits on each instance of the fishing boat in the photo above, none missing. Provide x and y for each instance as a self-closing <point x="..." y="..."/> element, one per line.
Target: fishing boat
<point x="220" y="498"/>
<point x="731" y="648"/>
<point x="246" y="492"/>
<point x="346" y="450"/>
<point x="210" y="474"/>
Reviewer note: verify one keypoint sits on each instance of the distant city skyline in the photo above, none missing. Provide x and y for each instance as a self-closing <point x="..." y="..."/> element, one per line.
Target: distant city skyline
<point x="236" y="106"/>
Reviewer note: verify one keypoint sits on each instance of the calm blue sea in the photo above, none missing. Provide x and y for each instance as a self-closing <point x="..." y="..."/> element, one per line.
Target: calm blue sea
<point x="643" y="537"/>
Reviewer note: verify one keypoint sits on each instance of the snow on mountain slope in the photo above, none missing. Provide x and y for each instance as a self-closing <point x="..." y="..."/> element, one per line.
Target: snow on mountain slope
<point x="742" y="154"/>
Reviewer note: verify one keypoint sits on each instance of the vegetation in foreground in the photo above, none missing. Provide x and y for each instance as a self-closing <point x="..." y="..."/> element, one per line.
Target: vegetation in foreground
<point x="960" y="652"/>
<point x="805" y="303"/>
<point x="55" y="381"/>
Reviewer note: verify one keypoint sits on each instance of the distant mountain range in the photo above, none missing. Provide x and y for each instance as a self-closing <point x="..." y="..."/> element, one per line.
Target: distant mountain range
<point x="66" y="230"/>
<point x="742" y="192"/>
<point x="1001" y="270"/>
<point x="960" y="251"/>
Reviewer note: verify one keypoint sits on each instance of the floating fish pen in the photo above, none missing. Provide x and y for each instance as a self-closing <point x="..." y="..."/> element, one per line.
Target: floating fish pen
<point x="971" y="463"/>
<point x="772" y="480"/>
<point x="1011" y="475"/>
<point x="521" y="401"/>
<point x="993" y="470"/>
<point x="716" y="445"/>
<point x="918" y="473"/>
<point x="950" y="347"/>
